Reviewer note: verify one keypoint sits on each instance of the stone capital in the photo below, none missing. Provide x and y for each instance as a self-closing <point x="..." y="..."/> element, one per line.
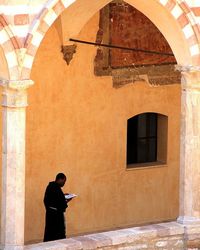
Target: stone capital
<point x="188" y="220"/>
<point x="187" y="68"/>
<point x="190" y="77"/>
<point x="15" y="92"/>
<point x="16" y="84"/>
<point x="14" y="98"/>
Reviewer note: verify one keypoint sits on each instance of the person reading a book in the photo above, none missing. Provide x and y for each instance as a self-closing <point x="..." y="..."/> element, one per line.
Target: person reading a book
<point x="55" y="204"/>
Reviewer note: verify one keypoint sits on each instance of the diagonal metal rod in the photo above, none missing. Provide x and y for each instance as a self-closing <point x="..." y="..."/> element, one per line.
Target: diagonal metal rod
<point x="120" y="47"/>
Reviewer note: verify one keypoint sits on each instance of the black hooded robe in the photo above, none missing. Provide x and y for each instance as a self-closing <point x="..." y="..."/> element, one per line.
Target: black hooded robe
<point x="55" y="204"/>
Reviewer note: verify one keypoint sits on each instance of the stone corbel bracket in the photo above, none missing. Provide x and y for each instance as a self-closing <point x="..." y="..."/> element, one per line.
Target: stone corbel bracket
<point x="68" y="52"/>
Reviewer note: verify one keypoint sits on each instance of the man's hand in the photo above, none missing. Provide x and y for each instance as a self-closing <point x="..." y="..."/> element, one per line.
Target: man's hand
<point x="68" y="200"/>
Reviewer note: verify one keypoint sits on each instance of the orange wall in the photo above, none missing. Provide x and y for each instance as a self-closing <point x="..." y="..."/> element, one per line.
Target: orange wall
<point x="76" y="123"/>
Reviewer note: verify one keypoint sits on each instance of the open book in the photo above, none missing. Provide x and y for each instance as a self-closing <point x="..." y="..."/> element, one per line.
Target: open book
<point x="69" y="196"/>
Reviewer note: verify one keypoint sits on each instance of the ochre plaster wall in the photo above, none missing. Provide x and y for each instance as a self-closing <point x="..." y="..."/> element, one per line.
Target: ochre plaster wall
<point x="76" y="124"/>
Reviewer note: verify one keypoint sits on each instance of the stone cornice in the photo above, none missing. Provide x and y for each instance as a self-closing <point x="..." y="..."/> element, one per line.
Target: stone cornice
<point x="16" y="84"/>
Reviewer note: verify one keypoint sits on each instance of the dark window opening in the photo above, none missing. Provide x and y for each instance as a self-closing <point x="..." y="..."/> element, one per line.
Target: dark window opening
<point x="142" y="138"/>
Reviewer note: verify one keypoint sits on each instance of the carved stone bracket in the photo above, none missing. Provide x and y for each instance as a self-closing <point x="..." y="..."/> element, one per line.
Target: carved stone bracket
<point x="68" y="52"/>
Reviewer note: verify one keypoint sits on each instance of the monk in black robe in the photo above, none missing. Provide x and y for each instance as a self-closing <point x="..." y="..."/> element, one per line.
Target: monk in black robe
<point x="55" y="204"/>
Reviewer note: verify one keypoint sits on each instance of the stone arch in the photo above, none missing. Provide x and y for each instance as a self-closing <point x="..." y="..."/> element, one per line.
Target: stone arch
<point x="9" y="44"/>
<point x="173" y="18"/>
<point x="186" y="20"/>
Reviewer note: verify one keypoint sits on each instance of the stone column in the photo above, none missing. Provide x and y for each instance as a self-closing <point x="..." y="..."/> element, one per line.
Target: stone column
<point x="13" y="163"/>
<point x="189" y="202"/>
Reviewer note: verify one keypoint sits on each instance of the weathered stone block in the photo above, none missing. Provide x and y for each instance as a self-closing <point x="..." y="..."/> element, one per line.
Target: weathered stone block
<point x="161" y="243"/>
<point x="116" y="237"/>
<point x="100" y="239"/>
<point x="87" y="243"/>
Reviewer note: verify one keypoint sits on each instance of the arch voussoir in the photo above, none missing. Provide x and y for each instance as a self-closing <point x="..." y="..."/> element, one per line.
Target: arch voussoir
<point x="10" y="45"/>
<point x="51" y="11"/>
<point x="190" y="28"/>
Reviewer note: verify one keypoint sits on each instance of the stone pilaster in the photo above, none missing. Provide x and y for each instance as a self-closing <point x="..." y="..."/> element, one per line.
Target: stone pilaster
<point x="189" y="204"/>
<point x="13" y="163"/>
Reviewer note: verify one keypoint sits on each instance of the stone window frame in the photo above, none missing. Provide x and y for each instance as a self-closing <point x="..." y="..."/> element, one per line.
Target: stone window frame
<point x="162" y="144"/>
